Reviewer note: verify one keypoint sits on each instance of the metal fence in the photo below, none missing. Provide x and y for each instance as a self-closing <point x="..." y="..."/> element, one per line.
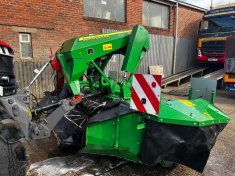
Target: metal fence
<point x="24" y="72"/>
<point x="161" y="53"/>
<point x="186" y="50"/>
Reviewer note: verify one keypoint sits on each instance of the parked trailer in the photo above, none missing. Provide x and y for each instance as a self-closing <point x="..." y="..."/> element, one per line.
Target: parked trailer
<point x="229" y="65"/>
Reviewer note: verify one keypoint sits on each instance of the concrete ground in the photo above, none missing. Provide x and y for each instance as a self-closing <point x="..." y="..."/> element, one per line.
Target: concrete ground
<point x="220" y="163"/>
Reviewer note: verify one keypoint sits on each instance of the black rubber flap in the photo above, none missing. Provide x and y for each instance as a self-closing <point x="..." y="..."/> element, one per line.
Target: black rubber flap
<point x="186" y="145"/>
<point x="71" y="129"/>
<point x="111" y="110"/>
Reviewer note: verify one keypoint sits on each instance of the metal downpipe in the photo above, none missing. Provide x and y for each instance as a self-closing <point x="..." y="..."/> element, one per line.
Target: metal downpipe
<point x="175" y="37"/>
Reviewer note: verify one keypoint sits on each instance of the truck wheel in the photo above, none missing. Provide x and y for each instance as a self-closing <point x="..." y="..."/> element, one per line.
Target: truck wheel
<point x="13" y="155"/>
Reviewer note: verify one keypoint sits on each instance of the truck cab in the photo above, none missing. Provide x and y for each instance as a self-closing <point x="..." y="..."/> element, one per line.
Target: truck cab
<point x="217" y="24"/>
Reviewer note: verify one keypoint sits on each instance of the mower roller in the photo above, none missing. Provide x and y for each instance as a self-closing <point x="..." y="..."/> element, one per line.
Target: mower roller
<point x="100" y="115"/>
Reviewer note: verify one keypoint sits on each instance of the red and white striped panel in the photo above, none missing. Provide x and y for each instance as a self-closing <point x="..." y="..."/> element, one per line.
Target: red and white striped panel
<point x="146" y="92"/>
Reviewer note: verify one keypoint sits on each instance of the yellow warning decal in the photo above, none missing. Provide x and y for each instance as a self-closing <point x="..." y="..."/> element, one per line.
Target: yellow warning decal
<point x="107" y="47"/>
<point x="100" y="36"/>
<point x="187" y="102"/>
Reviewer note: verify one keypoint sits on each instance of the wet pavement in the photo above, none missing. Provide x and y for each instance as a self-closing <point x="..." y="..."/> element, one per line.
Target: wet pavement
<point x="49" y="161"/>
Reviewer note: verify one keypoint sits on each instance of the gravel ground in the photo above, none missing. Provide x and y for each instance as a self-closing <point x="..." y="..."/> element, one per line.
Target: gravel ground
<point x="49" y="161"/>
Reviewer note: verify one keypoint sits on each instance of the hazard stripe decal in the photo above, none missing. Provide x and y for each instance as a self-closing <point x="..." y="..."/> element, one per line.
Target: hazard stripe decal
<point x="142" y="96"/>
<point x="137" y="101"/>
<point x="159" y="81"/>
<point x="146" y="91"/>
<point x="155" y="88"/>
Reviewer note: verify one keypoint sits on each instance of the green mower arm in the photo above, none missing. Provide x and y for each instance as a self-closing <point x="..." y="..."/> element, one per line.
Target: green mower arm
<point x="80" y="54"/>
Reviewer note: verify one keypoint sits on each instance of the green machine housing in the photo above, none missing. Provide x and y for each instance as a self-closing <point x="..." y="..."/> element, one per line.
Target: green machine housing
<point x="184" y="131"/>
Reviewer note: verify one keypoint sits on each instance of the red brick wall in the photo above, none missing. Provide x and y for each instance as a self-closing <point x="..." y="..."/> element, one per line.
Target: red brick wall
<point x="67" y="20"/>
<point x="188" y="22"/>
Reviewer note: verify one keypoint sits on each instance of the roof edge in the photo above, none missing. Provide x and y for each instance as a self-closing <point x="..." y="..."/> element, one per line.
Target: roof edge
<point x="189" y="5"/>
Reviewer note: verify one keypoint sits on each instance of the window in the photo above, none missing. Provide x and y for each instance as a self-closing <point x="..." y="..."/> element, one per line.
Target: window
<point x="25" y="45"/>
<point x="155" y="15"/>
<point x="105" y="9"/>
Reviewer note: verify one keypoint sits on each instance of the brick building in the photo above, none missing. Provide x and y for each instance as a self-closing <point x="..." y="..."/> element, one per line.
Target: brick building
<point x="32" y="27"/>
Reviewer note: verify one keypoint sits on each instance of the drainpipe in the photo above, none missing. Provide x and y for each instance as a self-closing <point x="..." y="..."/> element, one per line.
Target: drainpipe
<point x="175" y="36"/>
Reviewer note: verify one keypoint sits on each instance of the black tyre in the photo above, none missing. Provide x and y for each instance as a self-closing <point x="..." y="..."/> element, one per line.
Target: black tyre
<point x="13" y="155"/>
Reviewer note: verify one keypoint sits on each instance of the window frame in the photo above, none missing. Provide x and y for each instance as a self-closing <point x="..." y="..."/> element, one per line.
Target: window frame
<point x="114" y="12"/>
<point x="148" y="15"/>
<point x="27" y="42"/>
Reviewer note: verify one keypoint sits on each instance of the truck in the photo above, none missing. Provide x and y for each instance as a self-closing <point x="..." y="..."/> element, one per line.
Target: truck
<point x="217" y="24"/>
<point x="229" y="65"/>
<point x="128" y="119"/>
